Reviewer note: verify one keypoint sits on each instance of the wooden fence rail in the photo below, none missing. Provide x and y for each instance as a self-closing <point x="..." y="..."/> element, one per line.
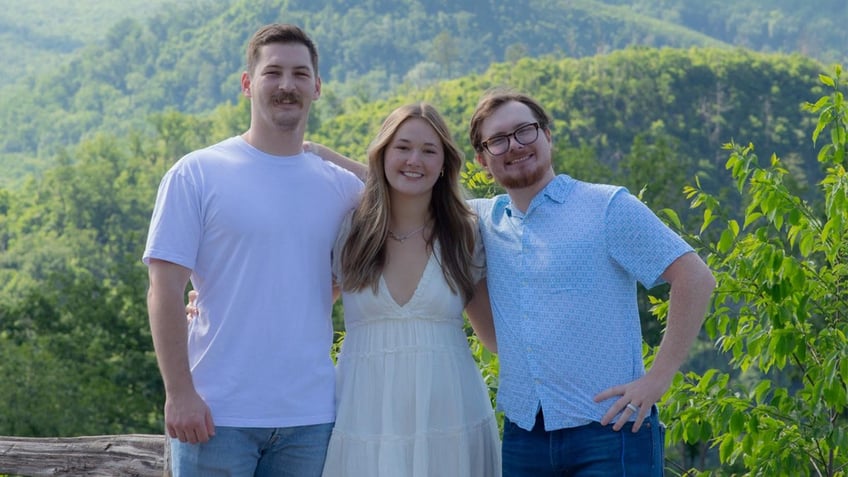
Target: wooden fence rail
<point x="134" y="455"/>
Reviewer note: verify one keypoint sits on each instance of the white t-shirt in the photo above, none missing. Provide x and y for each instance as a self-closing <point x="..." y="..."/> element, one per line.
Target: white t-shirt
<point x="257" y="232"/>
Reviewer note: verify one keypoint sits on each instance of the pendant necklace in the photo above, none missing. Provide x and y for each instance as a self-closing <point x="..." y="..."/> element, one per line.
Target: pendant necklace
<point x="402" y="238"/>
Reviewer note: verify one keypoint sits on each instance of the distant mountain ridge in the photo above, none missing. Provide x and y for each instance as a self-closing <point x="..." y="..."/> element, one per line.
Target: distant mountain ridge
<point x="187" y="56"/>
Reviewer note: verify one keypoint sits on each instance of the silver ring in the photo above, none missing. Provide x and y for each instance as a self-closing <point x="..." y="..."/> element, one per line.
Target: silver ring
<point x="632" y="407"/>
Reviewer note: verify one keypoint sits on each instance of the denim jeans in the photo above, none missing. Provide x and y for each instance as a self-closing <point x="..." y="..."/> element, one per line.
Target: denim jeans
<point x="258" y="452"/>
<point x="592" y="450"/>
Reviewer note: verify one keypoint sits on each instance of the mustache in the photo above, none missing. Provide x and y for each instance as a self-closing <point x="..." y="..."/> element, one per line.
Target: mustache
<point x="287" y="97"/>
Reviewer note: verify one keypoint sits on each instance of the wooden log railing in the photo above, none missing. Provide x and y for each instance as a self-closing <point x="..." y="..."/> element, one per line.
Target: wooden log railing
<point x="134" y="455"/>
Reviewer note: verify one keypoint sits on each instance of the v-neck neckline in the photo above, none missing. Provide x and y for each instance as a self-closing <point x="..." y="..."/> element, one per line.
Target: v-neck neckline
<point x="415" y="292"/>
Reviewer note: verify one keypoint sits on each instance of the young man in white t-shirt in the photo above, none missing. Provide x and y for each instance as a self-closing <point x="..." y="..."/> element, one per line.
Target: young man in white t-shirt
<point x="251" y="221"/>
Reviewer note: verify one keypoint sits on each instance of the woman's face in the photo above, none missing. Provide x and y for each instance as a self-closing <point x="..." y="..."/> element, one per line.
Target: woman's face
<point x="413" y="159"/>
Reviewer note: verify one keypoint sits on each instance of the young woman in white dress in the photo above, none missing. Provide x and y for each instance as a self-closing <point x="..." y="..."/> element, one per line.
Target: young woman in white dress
<point x="410" y="399"/>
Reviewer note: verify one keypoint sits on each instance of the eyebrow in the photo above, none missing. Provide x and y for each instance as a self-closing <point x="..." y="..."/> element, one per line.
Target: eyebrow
<point x="432" y="144"/>
<point x="277" y="66"/>
<point x="512" y="130"/>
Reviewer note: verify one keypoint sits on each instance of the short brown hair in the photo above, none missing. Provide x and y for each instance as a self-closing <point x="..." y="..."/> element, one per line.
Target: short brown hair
<point x="279" y="33"/>
<point x="494" y="99"/>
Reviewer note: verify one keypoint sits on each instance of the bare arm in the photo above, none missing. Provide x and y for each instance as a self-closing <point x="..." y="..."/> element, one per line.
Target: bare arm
<point x="359" y="169"/>
<point x="692" y="284"/>
<point x="187" y="417"/>
<point x="479" y="311"/>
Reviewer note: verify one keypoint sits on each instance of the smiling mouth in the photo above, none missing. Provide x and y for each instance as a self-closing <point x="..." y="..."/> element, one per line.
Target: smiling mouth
<point x="519" y="160"/>
<point x="286" y="103"/>
<point x="413" y="175"/>
<point x="286" y="99"/>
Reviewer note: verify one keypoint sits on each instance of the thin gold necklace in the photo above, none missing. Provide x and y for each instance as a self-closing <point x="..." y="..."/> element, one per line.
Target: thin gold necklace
<point x="402" y="238"/>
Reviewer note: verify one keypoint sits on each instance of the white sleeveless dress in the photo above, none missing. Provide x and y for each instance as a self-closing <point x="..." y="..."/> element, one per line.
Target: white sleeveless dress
<point x="410" y="399"/>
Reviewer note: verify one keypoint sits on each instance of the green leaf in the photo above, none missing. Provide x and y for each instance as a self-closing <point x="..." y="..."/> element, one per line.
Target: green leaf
<point x="737" y="423"/>
<point x="807" y="243"/>
<point x="751" y="218"/>
<point x="705" y="380"/>
<point x="673" y="217"/>
<point x="725" y="243"/>
<point x="761" y="389"/>
<point x="827" y="80"/>
<point x="708" y="219"/>
<point x="726" y="448"/>
<point x="734" y="227"/>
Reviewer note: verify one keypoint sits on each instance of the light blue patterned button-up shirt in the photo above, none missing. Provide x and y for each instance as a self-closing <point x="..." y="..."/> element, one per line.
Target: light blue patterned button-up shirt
<point x="563" y="280"/>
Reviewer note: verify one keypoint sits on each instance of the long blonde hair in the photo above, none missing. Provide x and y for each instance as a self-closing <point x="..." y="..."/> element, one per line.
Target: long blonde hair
<point x="364" y="254"/>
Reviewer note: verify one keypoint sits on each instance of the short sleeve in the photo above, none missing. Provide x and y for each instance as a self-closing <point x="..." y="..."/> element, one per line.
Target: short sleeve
<point x="639" y="241"/>
<point x="176" y="227"/>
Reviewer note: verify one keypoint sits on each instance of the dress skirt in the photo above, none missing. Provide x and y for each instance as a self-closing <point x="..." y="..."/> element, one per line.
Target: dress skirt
<point x="410" y="399"/>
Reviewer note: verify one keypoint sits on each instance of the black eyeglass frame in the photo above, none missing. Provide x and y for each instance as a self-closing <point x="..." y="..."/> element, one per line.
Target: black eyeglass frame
<point x="514" y="135"/>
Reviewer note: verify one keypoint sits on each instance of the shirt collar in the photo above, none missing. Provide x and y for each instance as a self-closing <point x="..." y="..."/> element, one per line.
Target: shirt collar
<point x="557" y="190"/>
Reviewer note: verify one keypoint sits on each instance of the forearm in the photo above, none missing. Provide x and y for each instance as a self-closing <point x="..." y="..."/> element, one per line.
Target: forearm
<point x="359" y="169"/>
<point x="688" y="302"/>
<point x="169" y="329"/>
<point x="187" y="417"/>
<point x="479" y="312"/>
<point x="692" y="284"/>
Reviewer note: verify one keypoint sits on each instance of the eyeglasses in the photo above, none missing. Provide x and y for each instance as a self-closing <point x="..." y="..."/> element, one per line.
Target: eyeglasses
<point x="525" y="135"/>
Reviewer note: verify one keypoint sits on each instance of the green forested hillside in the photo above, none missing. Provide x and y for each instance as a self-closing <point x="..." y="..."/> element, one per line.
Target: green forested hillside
<point x="70" y="241"/>
<point x="97" y="133"/>
<point x="811" y="28"/>
<point x="187" y="56"/>
<point x="189" y="59"/>
<point x="75" y="351"/>
<point x="37" y="36"/>
<point x="614" y="111"/>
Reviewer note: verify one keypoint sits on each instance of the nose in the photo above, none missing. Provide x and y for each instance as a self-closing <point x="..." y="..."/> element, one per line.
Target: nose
<point x="286" y="83"/>
<point x="414" y="156"/>
<point x="514" y="144"/>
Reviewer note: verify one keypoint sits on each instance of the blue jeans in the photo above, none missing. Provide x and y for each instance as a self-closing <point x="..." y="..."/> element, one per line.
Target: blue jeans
<point x="592" y="450"/>
<point x="258" y="452"/>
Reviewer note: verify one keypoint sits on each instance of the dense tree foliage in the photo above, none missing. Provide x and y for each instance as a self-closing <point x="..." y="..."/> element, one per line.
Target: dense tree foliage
<point x="780" y="313"/>
<point x="188" y="56"/>
<point x="640" y="117"/>
<point x="37" y="36"/>
<point x="778" y="25"/>
<point x="72" y="307"/>
<point x="75" y="351"/>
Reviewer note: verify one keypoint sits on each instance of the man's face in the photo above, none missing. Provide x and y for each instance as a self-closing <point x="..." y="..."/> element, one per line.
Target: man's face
<point x="282" y="86"/>
<point x="515" y="165"/>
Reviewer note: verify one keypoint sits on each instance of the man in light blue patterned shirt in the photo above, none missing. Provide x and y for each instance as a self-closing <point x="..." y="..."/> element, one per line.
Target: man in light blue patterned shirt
<point x="564" y="258"/>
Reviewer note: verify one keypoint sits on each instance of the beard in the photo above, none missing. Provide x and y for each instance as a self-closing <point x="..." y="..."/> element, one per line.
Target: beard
<point x="523" y="180"/>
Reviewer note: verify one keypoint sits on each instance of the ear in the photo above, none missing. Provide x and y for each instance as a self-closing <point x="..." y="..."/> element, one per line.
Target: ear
<point x="317" y="93"/>
<point x="245" y="84"/>
<point x="481" y="159"/>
